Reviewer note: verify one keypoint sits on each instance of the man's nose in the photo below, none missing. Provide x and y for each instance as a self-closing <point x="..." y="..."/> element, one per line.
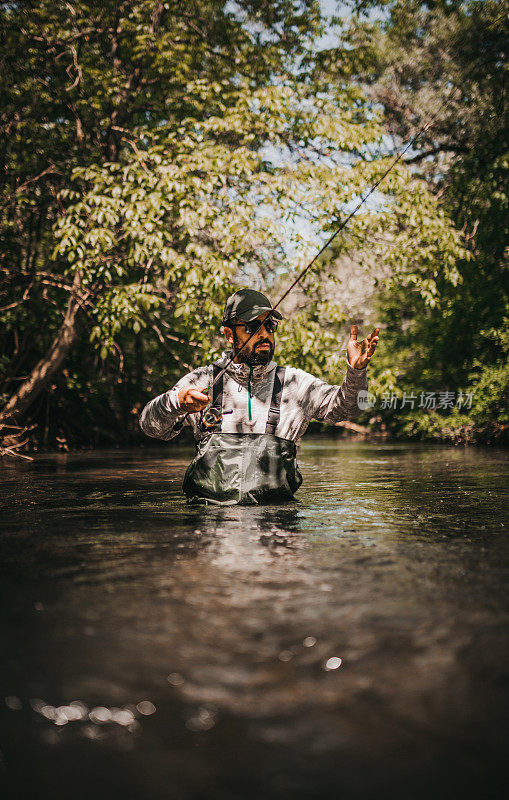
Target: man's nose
<point x="262" y="332"/>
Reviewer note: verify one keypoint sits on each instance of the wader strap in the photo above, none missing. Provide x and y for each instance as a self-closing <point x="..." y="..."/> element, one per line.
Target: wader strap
<point x="217" y="396"/>
<point x="275" y="402"/>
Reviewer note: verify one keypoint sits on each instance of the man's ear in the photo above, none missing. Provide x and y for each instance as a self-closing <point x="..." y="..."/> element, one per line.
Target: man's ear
<point x="228" y="334"/>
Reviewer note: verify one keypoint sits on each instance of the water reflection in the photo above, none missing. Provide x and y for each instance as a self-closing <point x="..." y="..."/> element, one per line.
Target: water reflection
<point x="349" y="644"/>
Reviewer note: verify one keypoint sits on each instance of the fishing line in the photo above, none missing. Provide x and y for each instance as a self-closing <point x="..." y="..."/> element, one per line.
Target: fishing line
<point x="331" y="238"/>
<point x="343" y="224"/>
<point x="373" y="188"/>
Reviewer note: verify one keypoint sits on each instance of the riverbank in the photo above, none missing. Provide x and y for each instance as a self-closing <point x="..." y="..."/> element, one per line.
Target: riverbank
<point x="23" y="443"/>
<point x="462" y="431"/>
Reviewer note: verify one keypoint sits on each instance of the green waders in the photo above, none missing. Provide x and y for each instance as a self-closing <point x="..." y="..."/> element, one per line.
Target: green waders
<point x="244" y="468"/>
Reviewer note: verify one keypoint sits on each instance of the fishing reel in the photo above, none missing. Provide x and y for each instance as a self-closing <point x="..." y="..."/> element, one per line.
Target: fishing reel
<point x="212" y="417"/>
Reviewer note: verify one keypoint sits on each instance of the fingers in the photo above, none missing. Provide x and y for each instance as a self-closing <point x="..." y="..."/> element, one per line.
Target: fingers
<point x="372" y="345"/>
<point x="371" y="342"/>
<point x="192" y="399"/>
<point x="372" y="336"/>
<point x="197" y="400"/>
<point x="360" y="352"/>
<point x="200" y="394"/>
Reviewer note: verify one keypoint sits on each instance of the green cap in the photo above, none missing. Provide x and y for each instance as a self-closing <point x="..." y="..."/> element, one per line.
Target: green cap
<point x="247" y="304"/>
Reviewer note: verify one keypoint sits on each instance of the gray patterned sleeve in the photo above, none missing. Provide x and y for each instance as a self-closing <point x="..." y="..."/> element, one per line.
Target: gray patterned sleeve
<point x="328" y="403"/>
<point x="159" y="416"/>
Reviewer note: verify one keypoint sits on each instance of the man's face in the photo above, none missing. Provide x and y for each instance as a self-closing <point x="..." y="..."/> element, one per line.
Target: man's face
<point x="260" y="347"/>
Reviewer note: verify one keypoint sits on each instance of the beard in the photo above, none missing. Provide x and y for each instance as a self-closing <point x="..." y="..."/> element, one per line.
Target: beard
<point x="253" y="357"/>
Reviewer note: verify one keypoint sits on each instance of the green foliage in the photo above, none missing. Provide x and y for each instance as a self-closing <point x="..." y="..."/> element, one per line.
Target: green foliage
<point x="82" y="85"/>
<point x="445" y="61"/>
<point x="171" y="152"/>
<point x="192" y="214"/>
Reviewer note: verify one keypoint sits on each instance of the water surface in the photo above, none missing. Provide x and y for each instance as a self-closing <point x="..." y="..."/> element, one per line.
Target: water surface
<point x="350" y="645"/>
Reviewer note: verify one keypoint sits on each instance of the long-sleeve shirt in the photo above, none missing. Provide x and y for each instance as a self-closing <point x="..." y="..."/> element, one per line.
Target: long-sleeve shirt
<point x="247" y="393"/>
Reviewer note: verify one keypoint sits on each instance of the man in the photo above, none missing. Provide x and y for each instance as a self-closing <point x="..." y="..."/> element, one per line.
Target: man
<point x="247" y="422"/>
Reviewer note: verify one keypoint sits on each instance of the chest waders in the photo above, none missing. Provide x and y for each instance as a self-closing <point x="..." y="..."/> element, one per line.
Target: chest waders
<point x="243" y="468"/>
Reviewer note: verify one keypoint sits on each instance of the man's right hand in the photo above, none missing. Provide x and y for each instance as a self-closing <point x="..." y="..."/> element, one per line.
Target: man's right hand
<point x="192" y="399"/>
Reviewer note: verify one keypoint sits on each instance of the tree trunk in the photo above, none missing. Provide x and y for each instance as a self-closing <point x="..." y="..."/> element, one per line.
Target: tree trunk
<point x="49" y="365"/>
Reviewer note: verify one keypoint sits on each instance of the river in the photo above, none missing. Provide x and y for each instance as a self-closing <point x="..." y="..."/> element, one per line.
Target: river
<point x="353" y="644"/>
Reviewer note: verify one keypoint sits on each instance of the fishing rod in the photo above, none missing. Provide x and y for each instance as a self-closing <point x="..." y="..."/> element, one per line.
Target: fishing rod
<point x="331" y="238"/>
<point x="345" y="222"/>
<point x="329" y="241"/>
<point x="213" y="416"/>
<point x="322" y="249"/>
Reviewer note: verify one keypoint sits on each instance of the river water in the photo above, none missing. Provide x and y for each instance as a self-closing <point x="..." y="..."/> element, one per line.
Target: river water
<point x="350" y="645"/>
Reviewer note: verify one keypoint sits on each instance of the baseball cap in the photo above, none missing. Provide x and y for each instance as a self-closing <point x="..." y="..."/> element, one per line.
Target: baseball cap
<point x="247" y="304"/>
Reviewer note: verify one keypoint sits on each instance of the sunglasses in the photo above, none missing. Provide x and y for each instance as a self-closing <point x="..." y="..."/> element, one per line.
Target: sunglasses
<point x="270" y="325"/>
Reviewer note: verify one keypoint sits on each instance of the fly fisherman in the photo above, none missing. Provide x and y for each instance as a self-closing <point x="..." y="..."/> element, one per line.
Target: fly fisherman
<point x="246" y="425"/>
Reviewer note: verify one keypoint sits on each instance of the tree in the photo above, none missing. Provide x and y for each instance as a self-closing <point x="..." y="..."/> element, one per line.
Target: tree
<point x="220" y="178"/>
<point x="82" y="83"/>
<point x="445" y="60"/>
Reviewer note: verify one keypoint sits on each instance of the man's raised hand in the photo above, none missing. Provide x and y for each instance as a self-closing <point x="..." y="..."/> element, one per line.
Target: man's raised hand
<point x="192" y="399"/>
<point x="359" y="353"/>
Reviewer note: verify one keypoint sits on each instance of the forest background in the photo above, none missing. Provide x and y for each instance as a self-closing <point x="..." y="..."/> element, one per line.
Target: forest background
<point x="158" y="155"/>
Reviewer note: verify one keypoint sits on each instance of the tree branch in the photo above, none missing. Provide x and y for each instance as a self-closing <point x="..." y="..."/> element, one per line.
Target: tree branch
<point x="50" y="363"/>
<point x="440" y="148"/>
<point x="48" y="171"/>
<point x="163" y="342"/>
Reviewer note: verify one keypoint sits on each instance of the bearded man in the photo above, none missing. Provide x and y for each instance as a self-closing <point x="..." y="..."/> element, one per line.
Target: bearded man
<point x="248" y="422"/>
